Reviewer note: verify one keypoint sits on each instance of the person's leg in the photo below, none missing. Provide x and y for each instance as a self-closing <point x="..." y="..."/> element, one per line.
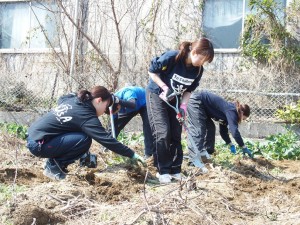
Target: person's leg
<point x="196" y="132"/>
<point x="209" y="143"/>
<point x="175" y="144"/>
<point x="66" y="148"/>
<point x="160" y="126"/>
<point x="122" y="121"/>
<point x="196" y="123"/>
<point x="148" y="139"/>
<point x="61" y="151"/>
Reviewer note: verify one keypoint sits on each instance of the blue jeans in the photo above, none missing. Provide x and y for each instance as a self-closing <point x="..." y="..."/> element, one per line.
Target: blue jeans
<point x="65" y="148"/>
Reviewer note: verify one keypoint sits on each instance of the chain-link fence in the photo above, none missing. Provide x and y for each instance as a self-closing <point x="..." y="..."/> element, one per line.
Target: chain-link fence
<point x="261" y="89"/>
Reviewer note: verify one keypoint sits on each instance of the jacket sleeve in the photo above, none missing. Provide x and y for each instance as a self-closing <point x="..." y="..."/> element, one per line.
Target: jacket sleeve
<point x="232" y="120"/>
<point x="94" y="129"/>
<point x="224" y="133"/>
<point x="162" y="63"/>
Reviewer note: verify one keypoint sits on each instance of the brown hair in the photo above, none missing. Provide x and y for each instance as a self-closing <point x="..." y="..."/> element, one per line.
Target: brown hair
<point x="96" y="92"/>
<point x="203" y="47"/>
<point x="242" y="110"/>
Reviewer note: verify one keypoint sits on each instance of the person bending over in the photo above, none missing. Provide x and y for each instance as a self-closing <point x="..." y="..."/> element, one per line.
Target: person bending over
<point x="203" y="108"/>
<point x="132" y="101"/>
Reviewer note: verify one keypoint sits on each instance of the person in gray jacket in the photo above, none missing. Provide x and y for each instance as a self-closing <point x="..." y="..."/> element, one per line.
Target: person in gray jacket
<point x="203" y="108"/>
<point x="65" y="134"/>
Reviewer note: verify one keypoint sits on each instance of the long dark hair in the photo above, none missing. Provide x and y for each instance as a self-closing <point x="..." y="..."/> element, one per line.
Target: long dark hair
<point x="203" y="47"/>
<point x="96" y="92"/>
<point x="242" y="110"/>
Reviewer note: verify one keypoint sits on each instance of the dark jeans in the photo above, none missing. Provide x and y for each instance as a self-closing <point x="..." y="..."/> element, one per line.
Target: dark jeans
<point x="201" y="129"/>
<point x="166" y="132"/>
<point x="122" y="119"/>
<point x="65" y="148"/>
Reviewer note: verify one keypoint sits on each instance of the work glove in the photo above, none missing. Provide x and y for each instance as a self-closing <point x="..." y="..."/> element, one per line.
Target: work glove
<point x="165" y="93"/>
<point x="232" y="149"/>
<point x="137" y="158"/>
<point x="248" y="152"/>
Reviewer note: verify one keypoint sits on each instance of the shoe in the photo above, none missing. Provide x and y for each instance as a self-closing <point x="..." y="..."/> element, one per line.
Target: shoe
<point x="205" y="154"/>
<point x="199" y="164"/>
<point x="164" y="178"/>
<point x="53" y="171"/>
<point x="205" y="157"/>
<point x="146" y="157"/>
<point x="176" y="176"/>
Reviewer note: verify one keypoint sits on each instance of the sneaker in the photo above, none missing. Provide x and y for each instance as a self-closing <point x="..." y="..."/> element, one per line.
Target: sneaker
<point x="53" y="171"/>
<point x="146" y="157"/>
<point x="164" y="178"/>
<point x="199" y="164"/>
<point x="205" y="154"/>
<point x="176" y="176"/>
<point x="206" y="158"/>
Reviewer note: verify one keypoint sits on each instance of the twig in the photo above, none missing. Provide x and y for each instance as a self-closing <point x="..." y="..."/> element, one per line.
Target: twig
<point x="57" y="199"/>
<point x="138" y="216"/>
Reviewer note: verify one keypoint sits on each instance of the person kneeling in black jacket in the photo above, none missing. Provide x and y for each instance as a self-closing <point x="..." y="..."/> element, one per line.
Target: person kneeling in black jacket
<point x="65" y="134"/>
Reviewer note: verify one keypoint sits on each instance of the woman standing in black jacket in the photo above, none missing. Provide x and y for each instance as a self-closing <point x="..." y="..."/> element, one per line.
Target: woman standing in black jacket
<point x="178" y="72"/>
<point x="65" y="134"/>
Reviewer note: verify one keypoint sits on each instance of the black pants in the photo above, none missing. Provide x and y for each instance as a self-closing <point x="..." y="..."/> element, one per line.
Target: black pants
<point x="122" y="119"/>
<point x="166" y="132"/>
<point x="201" y="129"/>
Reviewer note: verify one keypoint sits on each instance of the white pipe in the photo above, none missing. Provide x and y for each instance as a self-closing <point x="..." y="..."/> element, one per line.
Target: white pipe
<point x="112" y="124"/>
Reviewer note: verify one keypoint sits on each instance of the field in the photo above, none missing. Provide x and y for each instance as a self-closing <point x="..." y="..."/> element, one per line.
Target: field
<point x="236" y="190"/>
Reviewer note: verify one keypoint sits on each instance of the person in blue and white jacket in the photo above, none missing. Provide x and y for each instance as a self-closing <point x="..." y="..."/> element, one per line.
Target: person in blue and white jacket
<point x="177" y="71"/>
<point x="133" y="102"/>
<point x="203" y="108"/>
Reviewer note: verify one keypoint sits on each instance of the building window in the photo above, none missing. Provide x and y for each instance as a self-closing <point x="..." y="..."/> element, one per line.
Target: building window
<point x="223" y="21"/>
<point x="25" y="25"/>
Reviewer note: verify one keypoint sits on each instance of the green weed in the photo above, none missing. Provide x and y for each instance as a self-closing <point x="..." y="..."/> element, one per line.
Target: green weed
<point x="7" y="191"/>
<point x="290" y="113"/>
<point x="17" y="130"/>
<point x="278" y="147"/>
<point x="223" y="156"/>
<point x="131" y="138"/>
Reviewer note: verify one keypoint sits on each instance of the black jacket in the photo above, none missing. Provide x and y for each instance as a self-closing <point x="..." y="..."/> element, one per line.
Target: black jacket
<point x="71" y="115"/>
<point x="222" y="111"/>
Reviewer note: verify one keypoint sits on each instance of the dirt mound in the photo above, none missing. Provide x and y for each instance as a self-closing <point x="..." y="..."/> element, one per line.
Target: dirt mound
<point x="26" y="214"/>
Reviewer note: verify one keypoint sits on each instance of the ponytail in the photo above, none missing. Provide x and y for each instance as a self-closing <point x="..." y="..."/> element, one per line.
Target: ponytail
<point x="96" y="92"/>
<point x="84" y="95"/>
<point x="202" y="47"/>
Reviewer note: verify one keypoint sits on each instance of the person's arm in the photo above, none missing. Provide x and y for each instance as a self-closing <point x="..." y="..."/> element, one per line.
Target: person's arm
<point x="94" y="129"/>
<point x="224" y="133"/>
<point x="155" y="77"/>
<point x="232" y="119"/>
<point x="131" y="104"/>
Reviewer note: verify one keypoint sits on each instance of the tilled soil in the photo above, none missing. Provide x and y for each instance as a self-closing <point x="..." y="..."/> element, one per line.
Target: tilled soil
<point x="250" y="192"/>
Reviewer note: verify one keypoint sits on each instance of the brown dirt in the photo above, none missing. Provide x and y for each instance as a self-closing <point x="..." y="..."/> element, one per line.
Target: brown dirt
<point x="251" y="192"/>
